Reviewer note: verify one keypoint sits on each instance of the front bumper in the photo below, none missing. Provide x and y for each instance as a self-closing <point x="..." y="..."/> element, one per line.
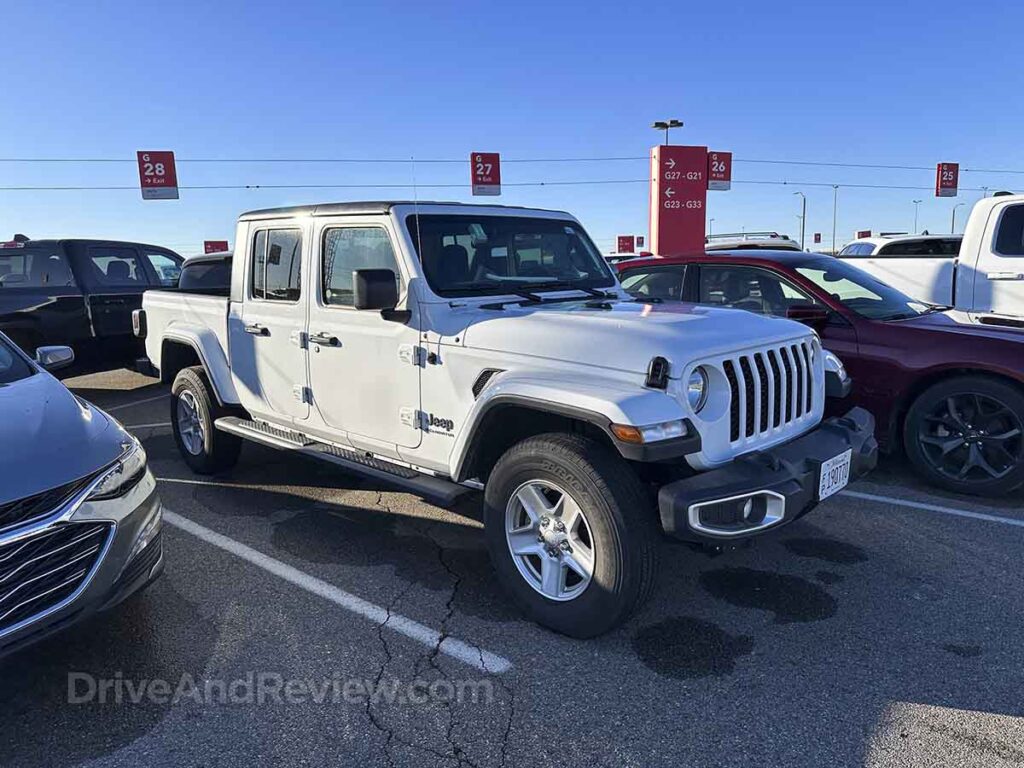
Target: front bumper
<point x="781" y="483"/>
<point x="117" y="574"/>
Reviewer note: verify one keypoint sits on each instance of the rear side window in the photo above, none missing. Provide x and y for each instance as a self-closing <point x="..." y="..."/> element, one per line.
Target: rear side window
<point x="347" y="249"/>
<point x="112" y="267"/>
<point x="12" y="365"/>
<point x="666" y="284"/>
<point x="1010" y="236"/>
<point x="938" y="248"/>
<point x="277" y="265"/>
<point x="212" y="276"/>
<point x="33" y="268"/>
<point x="166" y="267"/>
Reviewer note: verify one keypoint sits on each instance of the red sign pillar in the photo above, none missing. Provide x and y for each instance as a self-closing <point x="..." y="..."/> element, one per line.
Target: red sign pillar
<point x="678" y="197"/>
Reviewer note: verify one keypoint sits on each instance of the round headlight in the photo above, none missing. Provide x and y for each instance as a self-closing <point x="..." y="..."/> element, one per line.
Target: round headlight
<point x="697" y="389"/>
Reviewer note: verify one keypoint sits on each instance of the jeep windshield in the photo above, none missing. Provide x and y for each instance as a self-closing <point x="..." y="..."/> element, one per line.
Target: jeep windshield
<point x="473" y="255"/>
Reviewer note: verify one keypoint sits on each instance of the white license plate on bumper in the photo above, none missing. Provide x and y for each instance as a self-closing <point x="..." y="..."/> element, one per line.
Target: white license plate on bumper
<point x="835" y="474"/>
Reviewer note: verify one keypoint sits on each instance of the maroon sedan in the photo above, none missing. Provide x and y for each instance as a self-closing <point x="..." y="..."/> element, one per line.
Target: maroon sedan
<point x="949" y="393"/>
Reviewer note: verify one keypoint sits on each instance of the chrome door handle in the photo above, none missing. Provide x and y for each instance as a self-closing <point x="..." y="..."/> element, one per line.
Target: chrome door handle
<point x="324" y="339"/>
<point x="257" y="330"/>
<point x="1005" y="275"/>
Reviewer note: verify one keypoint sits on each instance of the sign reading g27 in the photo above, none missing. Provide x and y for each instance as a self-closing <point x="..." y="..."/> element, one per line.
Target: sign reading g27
<point x="485" y="173"/>
<point x="158" y="176"/>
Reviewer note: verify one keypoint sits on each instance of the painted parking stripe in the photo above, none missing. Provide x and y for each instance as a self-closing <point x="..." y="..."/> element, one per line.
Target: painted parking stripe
<point x="147" y="426"/>
<point x="137" y="402"/>
<point x="933" y="508"/>
<point x="478" y="658"/>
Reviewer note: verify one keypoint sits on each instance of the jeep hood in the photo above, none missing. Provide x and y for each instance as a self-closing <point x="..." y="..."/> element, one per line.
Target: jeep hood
<point x="48" y="437"/>
<point x="625" y="335"/>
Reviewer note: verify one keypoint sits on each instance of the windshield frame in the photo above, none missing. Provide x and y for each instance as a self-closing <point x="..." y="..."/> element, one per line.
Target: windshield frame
<point x="513" y="287"/>
<point x="863" y="279"/>
<point x="26" y="370"/>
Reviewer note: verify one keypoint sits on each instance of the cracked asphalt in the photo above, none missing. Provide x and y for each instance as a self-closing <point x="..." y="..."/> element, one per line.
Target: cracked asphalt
<point x="869" y="633"/>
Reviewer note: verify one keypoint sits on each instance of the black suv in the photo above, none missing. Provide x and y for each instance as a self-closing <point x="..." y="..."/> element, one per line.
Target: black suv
<point x="79" y="293"/>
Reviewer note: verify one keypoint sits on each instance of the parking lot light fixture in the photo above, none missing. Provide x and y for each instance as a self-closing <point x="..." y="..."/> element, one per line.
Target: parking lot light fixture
<point x="665" y="125"/>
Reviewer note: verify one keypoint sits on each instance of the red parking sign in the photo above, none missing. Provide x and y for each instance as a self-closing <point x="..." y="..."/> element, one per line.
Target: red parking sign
<point x="678" y="193"/>
<point x="485" y="172"/>
<point x="157" y="175"/>
<point x="947" y="179"/>
<point x="625" y="244"/>
<point x="817" y="237"/>
<point x="215" y="246"/>
<point x="720" y="170"/>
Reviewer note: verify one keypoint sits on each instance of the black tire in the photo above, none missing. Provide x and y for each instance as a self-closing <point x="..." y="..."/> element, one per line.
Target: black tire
<point x="217" y="450"/>
<point x="973" y="426"/>
<point x="620" y="516"/>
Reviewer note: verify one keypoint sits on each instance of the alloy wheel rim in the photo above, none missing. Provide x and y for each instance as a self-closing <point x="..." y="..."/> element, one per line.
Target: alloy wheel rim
<point x="971" y="437"/>
<point x="190" y="426"/>
<point x="550" y="540"/>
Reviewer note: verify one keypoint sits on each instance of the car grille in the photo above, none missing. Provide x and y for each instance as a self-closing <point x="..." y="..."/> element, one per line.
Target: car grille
<point x="770" y="388"/>
<point x="42" y="571"/>
<point x="32" y="508"/>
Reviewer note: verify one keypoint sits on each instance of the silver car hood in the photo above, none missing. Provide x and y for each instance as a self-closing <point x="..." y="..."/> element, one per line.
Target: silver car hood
<point x="48" y="437"/>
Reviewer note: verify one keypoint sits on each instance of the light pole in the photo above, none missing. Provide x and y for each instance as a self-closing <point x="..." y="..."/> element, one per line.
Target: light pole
<point x="835" y="207"/>
<point x="917" y="206"/>
<point x="984" y="192"/>
<point x="803" y="217"/>
<point x="664" y="125"/>
<point x="952" y="223"/>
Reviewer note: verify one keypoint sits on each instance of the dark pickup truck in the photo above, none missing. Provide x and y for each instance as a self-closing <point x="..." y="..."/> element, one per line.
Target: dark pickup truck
<point x="80" y="293"/>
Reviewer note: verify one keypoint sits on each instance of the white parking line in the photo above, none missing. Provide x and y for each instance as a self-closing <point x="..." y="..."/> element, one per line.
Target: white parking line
<point x="933" y="508"/>
<point x="137" y="402"/>
<point x="456" y="649"/>
<point x="147" y="426"/>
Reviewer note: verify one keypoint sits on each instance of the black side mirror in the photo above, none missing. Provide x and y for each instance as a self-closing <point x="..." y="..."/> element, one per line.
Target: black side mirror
<point x="808" y="314"/>
<point x="378" y="289"/>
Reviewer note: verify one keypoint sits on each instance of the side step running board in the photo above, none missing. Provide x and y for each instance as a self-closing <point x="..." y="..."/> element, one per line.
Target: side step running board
<point x="432" y="488"/>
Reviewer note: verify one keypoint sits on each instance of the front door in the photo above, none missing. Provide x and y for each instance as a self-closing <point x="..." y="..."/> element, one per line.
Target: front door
<point x="266" y="339"/>
<point x="999" y="277"/>
<point x="364" y="370"/>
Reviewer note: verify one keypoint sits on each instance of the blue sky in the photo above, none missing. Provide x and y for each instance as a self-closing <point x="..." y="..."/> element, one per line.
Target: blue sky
<point x="908" y="83"/>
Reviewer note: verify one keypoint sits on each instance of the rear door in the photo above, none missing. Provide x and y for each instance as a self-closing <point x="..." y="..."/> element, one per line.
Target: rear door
<point x="266" y="336"/>
<point x="999" y="276"/>
<point x="40" y="302"/>
<point x="114" y="277"/>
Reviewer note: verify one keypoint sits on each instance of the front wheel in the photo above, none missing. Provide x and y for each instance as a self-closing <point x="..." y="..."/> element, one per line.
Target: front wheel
<point x="966" y="434"/>
<point x="571" y="532"/>
<point x="194" y="409"/>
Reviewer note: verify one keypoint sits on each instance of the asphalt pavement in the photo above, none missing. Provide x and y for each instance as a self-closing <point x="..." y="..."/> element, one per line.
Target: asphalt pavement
<point x="311" y="617"/>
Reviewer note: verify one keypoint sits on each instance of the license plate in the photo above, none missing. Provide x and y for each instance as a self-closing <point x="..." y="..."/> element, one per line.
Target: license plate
<point x="835" y="474"/>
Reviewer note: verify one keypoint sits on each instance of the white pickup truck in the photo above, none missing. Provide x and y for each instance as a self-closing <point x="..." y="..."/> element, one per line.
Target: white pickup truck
<point x="982" y="275"/>
<point x="447" y="348"/>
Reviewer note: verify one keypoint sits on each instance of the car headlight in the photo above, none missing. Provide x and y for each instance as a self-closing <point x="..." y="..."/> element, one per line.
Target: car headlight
<point x="834" y="364"/>
<point x="697" y="388"/>
<point x="124" y="475"/>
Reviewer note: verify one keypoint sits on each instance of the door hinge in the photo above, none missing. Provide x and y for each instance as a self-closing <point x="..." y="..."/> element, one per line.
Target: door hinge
<point x="302" y="394"/>
<point x="299" y="339"/>
<point x="410" y="354"/>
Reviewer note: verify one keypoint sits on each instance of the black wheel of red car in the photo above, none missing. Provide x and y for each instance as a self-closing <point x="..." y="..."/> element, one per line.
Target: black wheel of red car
<point x="966" y="434"/>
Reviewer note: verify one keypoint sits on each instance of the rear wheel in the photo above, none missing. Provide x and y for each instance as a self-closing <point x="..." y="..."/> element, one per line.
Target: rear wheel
<point x="571" y="532"/>
<point x="194" y="409"/>
<point x="967" y="435"/>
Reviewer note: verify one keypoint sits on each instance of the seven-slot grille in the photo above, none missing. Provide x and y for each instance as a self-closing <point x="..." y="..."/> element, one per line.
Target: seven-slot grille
<point x="32" y="508"/>
<point x="42" y="571"/>
<point x="770" y="388"/>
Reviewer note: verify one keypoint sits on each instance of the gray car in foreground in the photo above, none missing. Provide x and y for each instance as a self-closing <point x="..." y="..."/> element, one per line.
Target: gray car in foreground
<point x="79" y="513"/>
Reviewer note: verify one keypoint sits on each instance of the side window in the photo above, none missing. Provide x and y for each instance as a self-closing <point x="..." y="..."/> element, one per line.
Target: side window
<point x="115" y="267"/>
<point x="206" y="275"/>
<point x="749" y="288"/>
<point x="28" y="268"/>
<point x="932" y="248"/>
<point x="1010" y="235"/>
<point x="167" y="268"/>
<point x="850" y="250"/>
<point x="277" y="265"/>
<point x="666" y="284"/>
<point x="346" y="249"/>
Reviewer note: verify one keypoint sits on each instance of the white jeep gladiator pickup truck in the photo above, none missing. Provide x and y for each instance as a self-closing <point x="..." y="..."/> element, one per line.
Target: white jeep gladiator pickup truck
<point x="981" y="275"/>
<point x="447" y="348"/>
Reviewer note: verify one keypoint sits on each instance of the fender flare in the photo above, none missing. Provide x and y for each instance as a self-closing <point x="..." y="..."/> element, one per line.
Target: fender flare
<point x="596" y="403"/>
<point x="211" y="355"/>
